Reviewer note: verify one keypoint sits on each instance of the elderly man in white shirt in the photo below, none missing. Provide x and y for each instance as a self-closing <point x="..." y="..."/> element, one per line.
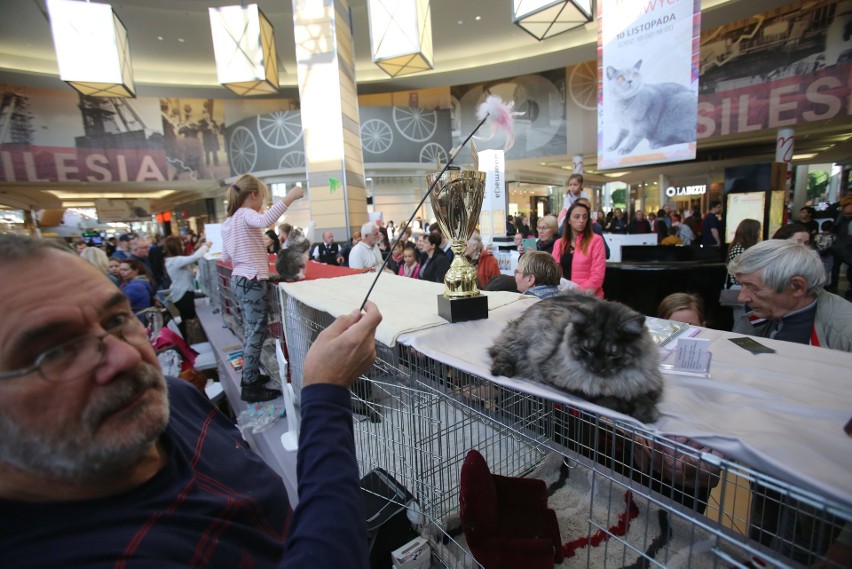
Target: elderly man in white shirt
<point x="366" y="254"/>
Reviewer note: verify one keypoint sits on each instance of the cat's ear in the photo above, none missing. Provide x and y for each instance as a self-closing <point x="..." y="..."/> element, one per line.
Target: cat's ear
<point x="578" y="315"/>
<point x="638" y="64"/>
<point x="634" y="326"/>
<point x="610" y="72"/>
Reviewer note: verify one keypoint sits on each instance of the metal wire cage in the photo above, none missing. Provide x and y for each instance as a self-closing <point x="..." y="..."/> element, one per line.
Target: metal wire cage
<point x="624" y="497"/>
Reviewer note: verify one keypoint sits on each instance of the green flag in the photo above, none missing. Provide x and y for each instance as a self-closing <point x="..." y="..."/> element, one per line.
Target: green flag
<point x="333" y="184"/>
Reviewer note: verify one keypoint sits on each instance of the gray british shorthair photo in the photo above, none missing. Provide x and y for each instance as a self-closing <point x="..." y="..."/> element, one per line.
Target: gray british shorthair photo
<point x="595" y="349"/>
<point x="664" y="113"/>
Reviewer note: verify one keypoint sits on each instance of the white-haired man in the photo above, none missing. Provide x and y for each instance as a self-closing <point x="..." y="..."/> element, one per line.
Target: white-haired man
<point x="782" y="288"/>
<point x="366" y="254"/>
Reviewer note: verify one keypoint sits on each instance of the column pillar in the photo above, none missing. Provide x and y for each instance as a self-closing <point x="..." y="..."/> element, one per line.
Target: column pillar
<point x="329" y="105"/>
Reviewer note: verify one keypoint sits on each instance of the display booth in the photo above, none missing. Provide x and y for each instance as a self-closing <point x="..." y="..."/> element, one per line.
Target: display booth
<point x="759" y="434"/>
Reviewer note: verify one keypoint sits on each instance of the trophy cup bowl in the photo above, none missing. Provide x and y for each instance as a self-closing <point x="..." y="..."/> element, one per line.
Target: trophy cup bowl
<point x="456" y="202"/>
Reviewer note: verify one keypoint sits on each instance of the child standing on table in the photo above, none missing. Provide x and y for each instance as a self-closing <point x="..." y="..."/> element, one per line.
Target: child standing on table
<point x="243" y="246"/>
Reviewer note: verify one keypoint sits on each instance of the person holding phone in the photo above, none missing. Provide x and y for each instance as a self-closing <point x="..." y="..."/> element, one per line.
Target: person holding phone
<point x="546" y="236"/>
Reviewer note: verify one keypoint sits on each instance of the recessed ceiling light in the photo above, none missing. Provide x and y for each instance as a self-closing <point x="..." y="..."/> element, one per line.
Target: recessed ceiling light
<point x="460" y="22"/>
<point x="478" y="18"/>
<point x="181" y="40"/>
<point x="160" y="38"/>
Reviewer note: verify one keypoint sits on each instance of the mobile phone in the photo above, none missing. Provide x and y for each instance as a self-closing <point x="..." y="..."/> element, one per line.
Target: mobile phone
<point x="529" y="244"/>
<point x="751" y="345"/>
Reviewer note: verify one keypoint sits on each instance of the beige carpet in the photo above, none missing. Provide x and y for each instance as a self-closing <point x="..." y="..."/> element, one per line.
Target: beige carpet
<point x="590" y="504"/>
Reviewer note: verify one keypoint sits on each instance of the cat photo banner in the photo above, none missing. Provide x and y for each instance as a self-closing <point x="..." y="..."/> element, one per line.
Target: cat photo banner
<point x="648" y="54"/>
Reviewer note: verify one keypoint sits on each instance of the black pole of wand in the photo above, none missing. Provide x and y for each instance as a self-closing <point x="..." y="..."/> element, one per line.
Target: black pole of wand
<point x="422" y="201"/>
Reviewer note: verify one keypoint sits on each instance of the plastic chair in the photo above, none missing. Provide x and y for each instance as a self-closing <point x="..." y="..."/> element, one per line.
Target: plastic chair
<point x="506" y="520"/>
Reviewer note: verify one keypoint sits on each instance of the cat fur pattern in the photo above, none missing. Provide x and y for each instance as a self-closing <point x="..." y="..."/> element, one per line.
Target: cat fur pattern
<point x="585" y="346"/>
<point x="293" y="258"/>
<point x="664" y="113"/>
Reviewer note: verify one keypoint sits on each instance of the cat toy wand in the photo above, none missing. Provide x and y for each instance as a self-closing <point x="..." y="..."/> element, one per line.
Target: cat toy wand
<point x="502" y="119"/>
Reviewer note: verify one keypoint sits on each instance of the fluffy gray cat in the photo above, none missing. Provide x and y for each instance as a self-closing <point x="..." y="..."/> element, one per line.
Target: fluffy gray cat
<point x="664" y="113"/>
<point x="588" y="347"/>
<point x="293" y="259"/>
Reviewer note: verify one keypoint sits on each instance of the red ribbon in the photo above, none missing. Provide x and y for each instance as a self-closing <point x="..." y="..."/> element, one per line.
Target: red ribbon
<point x="621" y="528"/>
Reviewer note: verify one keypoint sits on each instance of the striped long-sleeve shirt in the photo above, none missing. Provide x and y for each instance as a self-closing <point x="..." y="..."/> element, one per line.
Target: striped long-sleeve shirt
<point x="242" y="241"/>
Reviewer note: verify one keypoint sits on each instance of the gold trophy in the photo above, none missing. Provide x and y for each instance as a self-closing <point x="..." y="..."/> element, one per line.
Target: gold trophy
<point x="456" y="203"/>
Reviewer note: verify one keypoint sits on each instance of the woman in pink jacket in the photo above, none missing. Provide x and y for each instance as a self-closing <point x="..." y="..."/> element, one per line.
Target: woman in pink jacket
<point x="580" y="252"/>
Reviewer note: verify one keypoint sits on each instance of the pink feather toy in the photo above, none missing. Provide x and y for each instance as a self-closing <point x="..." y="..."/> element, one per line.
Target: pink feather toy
<point x="501" y="118"/>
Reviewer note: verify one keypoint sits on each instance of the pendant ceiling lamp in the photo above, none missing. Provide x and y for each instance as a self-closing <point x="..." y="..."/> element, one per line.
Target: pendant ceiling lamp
<point x="244" y="47"/>
<point x="401" y="35"/>
<point x="544" y="19"/>
<point x="91" y="48"/>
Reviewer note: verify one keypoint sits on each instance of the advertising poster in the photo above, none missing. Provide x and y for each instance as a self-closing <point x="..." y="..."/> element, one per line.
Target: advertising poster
<point x="740" y="206"/>
<point x="648" y="53"/>
<point x="193" y="138"/>
<point x="62" y="136"/>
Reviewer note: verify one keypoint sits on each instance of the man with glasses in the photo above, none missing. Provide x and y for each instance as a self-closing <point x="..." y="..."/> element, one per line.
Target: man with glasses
<point x="105" y="462"/>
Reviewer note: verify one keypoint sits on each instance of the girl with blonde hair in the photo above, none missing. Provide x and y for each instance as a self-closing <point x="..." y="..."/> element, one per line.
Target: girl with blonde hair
<point x="243" y="245"/>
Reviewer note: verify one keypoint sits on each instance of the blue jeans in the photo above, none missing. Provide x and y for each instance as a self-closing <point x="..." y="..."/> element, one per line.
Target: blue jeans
<point x="252" y="297"/>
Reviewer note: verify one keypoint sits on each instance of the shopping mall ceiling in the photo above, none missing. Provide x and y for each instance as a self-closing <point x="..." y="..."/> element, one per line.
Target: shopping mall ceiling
<point x="474" y="40"/>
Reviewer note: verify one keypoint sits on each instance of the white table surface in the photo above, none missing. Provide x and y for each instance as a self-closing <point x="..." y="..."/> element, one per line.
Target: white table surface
<point x="782" y="413"/>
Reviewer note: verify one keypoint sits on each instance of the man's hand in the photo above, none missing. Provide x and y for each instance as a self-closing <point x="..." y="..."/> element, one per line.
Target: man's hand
<point x="344" y="350"/>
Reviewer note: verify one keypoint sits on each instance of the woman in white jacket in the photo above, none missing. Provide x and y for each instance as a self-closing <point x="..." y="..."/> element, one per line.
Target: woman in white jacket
<point x="179" y="268"/>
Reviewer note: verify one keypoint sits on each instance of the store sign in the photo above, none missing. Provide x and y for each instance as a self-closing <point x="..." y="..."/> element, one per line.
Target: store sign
<point x="698" y="190"/>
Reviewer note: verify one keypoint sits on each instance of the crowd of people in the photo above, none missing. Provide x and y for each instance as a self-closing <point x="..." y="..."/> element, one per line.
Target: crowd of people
<point x="133" y="441"/>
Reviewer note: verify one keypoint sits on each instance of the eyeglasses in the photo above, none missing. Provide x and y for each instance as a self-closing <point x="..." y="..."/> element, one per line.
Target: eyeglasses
<point x="80" y="356"/>
<point x="542" y="227"/>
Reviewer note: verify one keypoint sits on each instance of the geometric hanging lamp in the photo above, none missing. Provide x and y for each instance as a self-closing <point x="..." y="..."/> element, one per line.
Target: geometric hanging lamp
<point x="91" y="48"/>
<point x="244" y="47"/>
<point x="401" y="35"/>
<point x="543" y="19"/>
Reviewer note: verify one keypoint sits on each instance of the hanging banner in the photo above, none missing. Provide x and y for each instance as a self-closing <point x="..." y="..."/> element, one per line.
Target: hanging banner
<point x="648" y="54"/>
<point x="492" y="216"/>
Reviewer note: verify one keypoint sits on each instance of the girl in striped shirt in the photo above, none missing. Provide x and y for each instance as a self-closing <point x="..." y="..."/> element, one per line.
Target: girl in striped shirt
<point x="243" y="246"/>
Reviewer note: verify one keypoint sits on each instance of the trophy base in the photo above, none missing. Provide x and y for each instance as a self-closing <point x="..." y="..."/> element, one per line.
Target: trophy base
<point x="463" y="309"/>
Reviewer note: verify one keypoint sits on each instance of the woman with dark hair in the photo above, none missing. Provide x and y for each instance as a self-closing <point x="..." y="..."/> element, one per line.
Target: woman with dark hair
<point x="793" y="232"/>
<point x="746" y="235"/>
<point x="272" y="243"/>
<point x="580" y="251"/>
<point x="136" y="284"/>
<point x="179" y="269"/>
<point x="435" y="264"/>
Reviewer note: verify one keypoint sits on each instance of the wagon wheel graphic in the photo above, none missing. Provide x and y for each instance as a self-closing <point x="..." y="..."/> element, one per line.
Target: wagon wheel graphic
<point x="242" y="150"/>
<point x="280" y="129"/>
<point x="432" y="152"/>
<point x="583" y="85"/>
<point x="376" y="136"/>
<point x="294" y="159"/>
<point x="414" y="124"/>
